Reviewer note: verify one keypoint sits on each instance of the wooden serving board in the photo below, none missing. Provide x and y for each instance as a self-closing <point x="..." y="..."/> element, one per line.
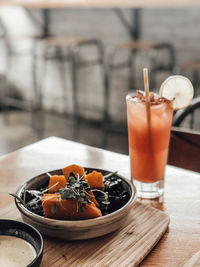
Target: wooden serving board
<point x="125" y="247"/>
<point x="194" y="261"/>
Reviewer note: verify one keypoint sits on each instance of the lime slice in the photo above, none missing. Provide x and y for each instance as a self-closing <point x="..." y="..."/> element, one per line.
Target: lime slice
<point x="179" y="89"/>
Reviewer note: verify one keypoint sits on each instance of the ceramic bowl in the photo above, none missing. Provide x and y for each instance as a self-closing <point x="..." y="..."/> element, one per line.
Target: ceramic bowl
<point x="26" y="232"/>
<point x="75" y="229"/>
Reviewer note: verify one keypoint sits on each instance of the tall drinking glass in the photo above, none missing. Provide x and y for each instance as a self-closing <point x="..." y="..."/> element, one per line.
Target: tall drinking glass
<point x="149" y="134"/>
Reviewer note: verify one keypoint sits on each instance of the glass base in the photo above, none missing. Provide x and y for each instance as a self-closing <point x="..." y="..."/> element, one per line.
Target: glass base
<point x="149" y="190"/>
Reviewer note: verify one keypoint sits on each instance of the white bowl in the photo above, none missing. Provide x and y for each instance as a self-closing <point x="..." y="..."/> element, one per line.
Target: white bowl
<point x="75" y="229"/>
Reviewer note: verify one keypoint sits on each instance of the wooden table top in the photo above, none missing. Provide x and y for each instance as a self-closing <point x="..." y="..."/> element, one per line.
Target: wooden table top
<point x="100" y="3"/>
<point x="181" y="200"/>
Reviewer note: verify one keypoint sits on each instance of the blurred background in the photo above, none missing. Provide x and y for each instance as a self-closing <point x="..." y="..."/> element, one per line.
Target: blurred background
<point x="65" y="71"/>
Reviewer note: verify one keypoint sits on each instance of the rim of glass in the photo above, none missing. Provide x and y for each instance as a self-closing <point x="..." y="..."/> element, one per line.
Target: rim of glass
<point x="130" y="94"/>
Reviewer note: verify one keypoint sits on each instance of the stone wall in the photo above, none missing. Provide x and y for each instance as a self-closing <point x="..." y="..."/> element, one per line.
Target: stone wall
<point x="177" y="26"/>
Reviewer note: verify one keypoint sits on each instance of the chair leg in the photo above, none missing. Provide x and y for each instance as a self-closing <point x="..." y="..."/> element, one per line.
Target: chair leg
<point x="62" y="71"/>
<point x="39" y="112"/>
<point x="35" y="88"/>
<point x="111" y="67"/>
<point x="105" y="76"/>
<point x="76" y="64"/>
<point x="195" y="79"/>
<point x="153" y="70"/>
<point x="106" y="85"/>
<point x="191" y="120"/>
<point x="2" y="97"/>
<point x="105" y="109"/>
<point x="108" y="71"/>
<point x="76" y="115"/>
<point x="6" y="92"/>
<point x="131" y="70"/>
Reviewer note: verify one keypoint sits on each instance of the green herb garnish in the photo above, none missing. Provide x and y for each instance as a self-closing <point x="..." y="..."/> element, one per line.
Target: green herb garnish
<point x="76" y="188"/>
<point x="20" y="199"/>
<point x="103" y="199"/>
<point x="109" y="175"/>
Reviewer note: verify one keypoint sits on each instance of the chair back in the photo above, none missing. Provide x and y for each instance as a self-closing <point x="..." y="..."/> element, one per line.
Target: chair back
<point x="189" y="117"/>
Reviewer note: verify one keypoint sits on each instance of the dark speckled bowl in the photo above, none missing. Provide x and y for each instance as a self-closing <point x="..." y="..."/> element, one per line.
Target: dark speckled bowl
<point x="26" y="232"/>
<point x="75" y="229"/>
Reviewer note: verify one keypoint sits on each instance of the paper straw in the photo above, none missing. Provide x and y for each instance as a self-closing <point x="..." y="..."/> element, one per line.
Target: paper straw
<point x="147" y="95"/>
<point x="146" y="84"/>
<point x="148" y="106"/>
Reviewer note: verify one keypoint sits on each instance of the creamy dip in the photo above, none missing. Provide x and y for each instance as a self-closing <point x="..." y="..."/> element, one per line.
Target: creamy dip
<point x="15" y="252"/>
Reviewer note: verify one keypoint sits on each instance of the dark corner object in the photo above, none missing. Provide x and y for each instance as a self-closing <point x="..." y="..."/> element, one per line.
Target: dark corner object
<point x="184" y="149"/>
<point x="26" y="232"/>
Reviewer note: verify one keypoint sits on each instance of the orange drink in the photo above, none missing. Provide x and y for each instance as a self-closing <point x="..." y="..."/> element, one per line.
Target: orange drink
<point x="149" y="134"/>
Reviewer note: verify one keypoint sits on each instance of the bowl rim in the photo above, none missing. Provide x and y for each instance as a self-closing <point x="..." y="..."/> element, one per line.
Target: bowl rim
<point x="16" y="224"/>
<point x="76" y="223"/>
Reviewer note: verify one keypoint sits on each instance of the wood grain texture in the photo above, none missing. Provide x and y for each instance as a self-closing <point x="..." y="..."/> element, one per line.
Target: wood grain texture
<point x="100" y="3"/>
<point x="142" y="230"/>
<point x="194" y="261"/>
<point x="181" y="200"/>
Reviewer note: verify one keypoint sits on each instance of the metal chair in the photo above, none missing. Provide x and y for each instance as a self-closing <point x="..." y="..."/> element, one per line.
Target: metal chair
<point x="11" y="38"/>
<point x="59" y="44"/>
<point x="188" y="114"/>
<point x="8" y="95"/>
<point x="68" y="49"/>
<point x="134" y="47"/>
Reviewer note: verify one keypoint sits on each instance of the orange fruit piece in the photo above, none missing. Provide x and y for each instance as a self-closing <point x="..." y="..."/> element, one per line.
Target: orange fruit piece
<point x="68" y="209"/>
<point x="59" y="181"/>
<point x="76" y="169"/>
